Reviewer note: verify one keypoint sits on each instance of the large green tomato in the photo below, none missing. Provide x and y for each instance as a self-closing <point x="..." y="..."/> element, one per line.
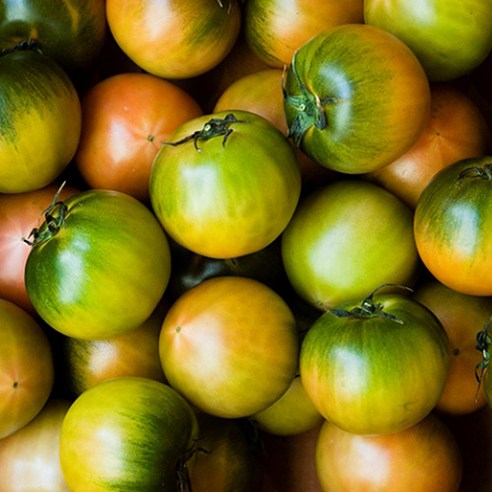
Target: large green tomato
<point x="356" y="98"/>
<point x="226" y="184"/>
<point x="376" y="366"/>
<point x="127" y="434"/>
<point x="99" y="265"/>
<point x="345" y="239"/>
<point x="449" y="37"/>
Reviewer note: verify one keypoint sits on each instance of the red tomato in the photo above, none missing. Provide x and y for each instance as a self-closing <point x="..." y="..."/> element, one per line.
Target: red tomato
<point x="127" y="117"/>
<point x="423" y="458"/>
<point x="457" y="129"/>
<point x="174" y="39"/>
<point x="20" y="213"/>
<point x="26" y="368"/>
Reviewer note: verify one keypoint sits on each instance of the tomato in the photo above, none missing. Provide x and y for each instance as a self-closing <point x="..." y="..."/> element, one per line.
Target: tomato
<point x="450" y="37"/>
<point x="462" y="316"/>
<point x="127" y="117"/>
<point x="41" y="121"/>
<point x="276" y="28"/>
<point x="177" y="39"/>
<point x="84" y="363"/>
<point x="29" y="458"/>
<point x="220" y="339"/>
<point x="423" y="458"/>
<point x="226" y="458"/>
<point x="293" y="413"/>
<point x="457" y="129"/>
<point x="226" y="185"/>
<point x="99" y="265"/>
<point x="70" y="32"/>
<point x="19" y="214"/>
<point x="452" y="225"/>
<point x="376" y="366"/>
<point x="126" y="433"/>
<point x="260" y="92"/>
<point x="345" y="239"/>
<point x="26" y="368"/>
<point x="356" y="98"/>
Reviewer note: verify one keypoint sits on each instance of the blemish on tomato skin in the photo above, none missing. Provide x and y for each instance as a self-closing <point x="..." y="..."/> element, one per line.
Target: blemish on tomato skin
<point x="15" y="385"/>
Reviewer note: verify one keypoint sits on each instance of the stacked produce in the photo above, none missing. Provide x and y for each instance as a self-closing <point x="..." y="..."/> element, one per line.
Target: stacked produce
<point x="245" y="245"/>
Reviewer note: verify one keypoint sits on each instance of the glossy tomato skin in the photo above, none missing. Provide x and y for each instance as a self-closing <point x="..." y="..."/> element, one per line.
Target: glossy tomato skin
<point x="372" y="374"/>
<point x="26" y="368"/>
<point x="345" y="239"/>
<point x="127" y="117"/>
<point x="19" y="214"/>
<point x="41" y="121"/>
<point x="423" y="458"/>
<point x="450" y="37"/>
<point x="70" y="32"/>
<point x="220" y="339"/>
<point x="276" y="28"/>
<point x="452" y="225"/>
<point x="174" y="40"/>
<point x="356" y="98"/>
<point x="229" y="195"/>
<point x="104" y="269"/>
<point x="126" y="434"/>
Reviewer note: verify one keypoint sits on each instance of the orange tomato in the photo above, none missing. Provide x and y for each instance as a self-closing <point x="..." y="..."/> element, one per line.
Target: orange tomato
<point x="175" y="39"/>
<point x="276" y="28"/>
<point x="127" y="117"/>
<point x="462" y="317"/>
<point x="456" y="129"/>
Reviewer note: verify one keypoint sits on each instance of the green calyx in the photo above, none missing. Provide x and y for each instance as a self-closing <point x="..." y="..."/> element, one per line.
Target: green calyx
<point x="484" y="342"/>
<point x="308" y="108"/>
<point x="482" y="172"/>
<point x="54" y="218"/>
<point x="215" y="127"/>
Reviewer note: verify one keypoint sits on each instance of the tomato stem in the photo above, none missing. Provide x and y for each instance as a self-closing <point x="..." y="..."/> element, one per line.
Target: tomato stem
<point x="484" y="341"/>
<point x="484" y="172"/>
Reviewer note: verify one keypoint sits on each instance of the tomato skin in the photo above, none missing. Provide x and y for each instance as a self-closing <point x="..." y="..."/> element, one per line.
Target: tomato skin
<point x="452" y="224"/>
<point x="423" y="458"/>
<point x="345" y="93"/>
<point x="118" y="270"/>
<point x="70" y="32"/>
<point x="127" y="117"/>
<point x="126" y="434"/>
<point x="41" y="121"/>
<point x="230" y="198"/>
<point x="221" y="337"/>
<point x="450" y="37"/>
<point x="174" y="40"/>
<point x="276" y="28"/>
<point x="26" y="368"/>
<point x="374" y="375"/>
<point x="324" y="257"/>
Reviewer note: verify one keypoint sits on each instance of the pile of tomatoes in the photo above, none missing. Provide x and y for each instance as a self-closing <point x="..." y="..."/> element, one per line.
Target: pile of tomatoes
<point x="245" y="245"/>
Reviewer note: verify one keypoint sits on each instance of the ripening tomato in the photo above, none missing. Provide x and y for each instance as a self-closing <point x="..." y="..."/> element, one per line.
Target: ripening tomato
<point x="26" y="368"/>
<point x="453" y="225"/>
<point x="230" y="346"/>
<point x="226" y="185"/>
<point x="423" y="458"/>
<point x="356" y="98"/>
<point x="462" y="317"/>
<point x="98" y="266"/>
<point x="345" y="239"/>
<point x="71" y="32"/>
<point x="177" y="39"/>
<point x="20" y="213"/>
<point x="126" y="433"/>
<point x="456" y="130"/>
<point x="276" y="28"/>
<point x="41" y="121"/>
<point x="30" y="458"/>
<point x="376" y="366"/>
<point x="450" y="37"/>
<point x="127" y="117"/>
